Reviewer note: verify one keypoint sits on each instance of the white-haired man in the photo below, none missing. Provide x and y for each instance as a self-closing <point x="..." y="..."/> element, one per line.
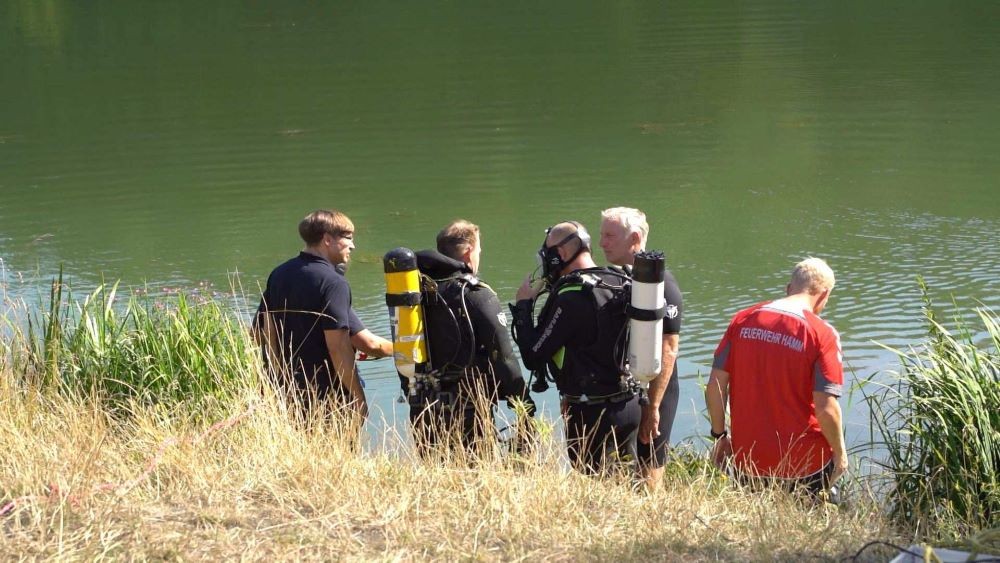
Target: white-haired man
<point x="623" y="233"/>
<point x="780" y="368"/>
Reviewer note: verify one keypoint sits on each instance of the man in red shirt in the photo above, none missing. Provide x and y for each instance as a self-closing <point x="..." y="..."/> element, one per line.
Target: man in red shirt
<point x="780" y="368"/>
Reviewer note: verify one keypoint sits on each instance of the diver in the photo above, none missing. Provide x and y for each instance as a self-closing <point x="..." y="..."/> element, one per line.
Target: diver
<point x="581" y="338"/>
<point x="472" y="362"/>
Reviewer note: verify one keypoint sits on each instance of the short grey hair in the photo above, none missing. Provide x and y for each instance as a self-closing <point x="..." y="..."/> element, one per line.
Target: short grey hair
<point x="630" y="218"/>
<point x="813" y="275"/>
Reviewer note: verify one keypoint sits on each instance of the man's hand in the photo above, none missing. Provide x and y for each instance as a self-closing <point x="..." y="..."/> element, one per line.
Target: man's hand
<point x="839" y="468"/>
<point x="722" y="452"/>
<point x="370" y="345"/>
<point x="649" y="424"/>
<point x="527" y="290"/>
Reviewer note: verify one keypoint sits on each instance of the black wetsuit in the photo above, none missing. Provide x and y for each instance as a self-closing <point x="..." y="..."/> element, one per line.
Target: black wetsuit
<point x="473" y="372"/>
<point x="580" y="337"/>
<point x="655" y="453"/>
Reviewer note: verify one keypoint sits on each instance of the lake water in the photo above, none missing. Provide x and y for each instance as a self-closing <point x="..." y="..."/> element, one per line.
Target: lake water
<point x="172" y="145"/>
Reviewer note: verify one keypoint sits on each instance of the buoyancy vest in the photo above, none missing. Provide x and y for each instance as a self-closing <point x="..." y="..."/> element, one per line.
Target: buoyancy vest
<point x="594" y="367"/>
<point x="450" y="334"/>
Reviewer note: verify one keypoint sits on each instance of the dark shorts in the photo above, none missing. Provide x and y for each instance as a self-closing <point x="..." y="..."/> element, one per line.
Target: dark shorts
<point x="816" y="485"/>
<point x="311" y="393"/>
<point x="601" y="436"/>
<point x="655" y="453"/>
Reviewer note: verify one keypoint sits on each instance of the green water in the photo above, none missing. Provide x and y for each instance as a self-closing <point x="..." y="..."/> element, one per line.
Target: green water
<point x="173" y="144"/>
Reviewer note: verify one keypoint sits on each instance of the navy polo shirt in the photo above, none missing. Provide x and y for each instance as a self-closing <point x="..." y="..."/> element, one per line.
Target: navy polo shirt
<point x="304" y="297"/>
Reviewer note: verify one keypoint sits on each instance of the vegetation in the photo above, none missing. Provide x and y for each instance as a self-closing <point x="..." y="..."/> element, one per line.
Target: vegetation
<point x="938" y="422"/>
<point x="167" y="485"/>
<point x="136" y="349"/>
<point x="140" y="429"/>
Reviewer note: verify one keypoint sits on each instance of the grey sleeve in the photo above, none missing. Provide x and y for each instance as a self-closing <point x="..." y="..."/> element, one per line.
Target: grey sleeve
<point x="824" y="385"/>
<point x="719" y="362"/>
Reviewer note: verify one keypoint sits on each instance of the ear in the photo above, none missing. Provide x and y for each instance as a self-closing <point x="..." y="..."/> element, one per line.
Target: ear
<point x="467" y="255"/>
<point x="821" y="302"/>
<point x="635" y="239"/>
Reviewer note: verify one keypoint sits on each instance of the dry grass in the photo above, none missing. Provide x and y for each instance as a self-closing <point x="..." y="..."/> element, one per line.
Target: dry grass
<point x="263" y="487"/>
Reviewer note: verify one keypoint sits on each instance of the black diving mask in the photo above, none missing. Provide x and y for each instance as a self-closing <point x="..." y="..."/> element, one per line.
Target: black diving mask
<point x="552" y="263"/>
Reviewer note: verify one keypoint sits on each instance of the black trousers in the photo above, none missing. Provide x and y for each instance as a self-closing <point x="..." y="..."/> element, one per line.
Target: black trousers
<point x="451" y="420"/>
<point x="602" y="437"/>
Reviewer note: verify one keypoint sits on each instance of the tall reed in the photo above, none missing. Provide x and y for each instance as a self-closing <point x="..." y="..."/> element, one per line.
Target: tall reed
<point x="938" y="423"/>
<point x="165" y="349"/>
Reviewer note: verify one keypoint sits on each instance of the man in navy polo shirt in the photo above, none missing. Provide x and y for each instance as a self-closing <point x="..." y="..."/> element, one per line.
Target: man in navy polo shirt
<point x="310" y="331"/>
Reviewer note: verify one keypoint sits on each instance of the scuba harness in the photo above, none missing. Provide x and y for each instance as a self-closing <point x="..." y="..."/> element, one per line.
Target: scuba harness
<point x="636" y="350"/>
<point x="609" y="298"/>
<point x="432" y="312"/>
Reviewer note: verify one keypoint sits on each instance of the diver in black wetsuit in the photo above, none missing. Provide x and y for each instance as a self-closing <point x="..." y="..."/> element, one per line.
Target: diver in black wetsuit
<point x="470" y="349"/>
<point x="623" y="233"/>
<point x="580" y="339"/>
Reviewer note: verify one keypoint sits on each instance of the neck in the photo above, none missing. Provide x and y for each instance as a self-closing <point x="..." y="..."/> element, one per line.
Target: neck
<point x="630" y="258"/>
<point x="584" y="260"/>
<point x="805" y="300"/>
<point x="315" y="251"/>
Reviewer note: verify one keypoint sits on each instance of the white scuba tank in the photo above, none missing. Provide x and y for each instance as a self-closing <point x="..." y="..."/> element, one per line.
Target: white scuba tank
<point x="645" y="346"/>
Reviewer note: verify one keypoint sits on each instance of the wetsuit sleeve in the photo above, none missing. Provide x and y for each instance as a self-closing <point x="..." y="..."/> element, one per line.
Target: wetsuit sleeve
<point x="490" y="324"/>
<point x="539" y="344"/>
<point x="674" y="305"/>
<point x="336" y="310"/>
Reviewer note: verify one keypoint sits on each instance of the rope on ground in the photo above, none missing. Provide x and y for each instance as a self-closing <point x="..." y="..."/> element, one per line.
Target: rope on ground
<point x="126" y="486"/>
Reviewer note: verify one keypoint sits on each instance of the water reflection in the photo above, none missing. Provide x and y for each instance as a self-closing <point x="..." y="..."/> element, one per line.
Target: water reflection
<point x="170" y="144"/>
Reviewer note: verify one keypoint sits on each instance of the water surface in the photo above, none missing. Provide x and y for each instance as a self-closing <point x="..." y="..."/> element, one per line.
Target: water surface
<point x="173" y="144"/>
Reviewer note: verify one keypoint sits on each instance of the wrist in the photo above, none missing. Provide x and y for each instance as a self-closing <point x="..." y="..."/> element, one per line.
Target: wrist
<point x="718" y="435"/>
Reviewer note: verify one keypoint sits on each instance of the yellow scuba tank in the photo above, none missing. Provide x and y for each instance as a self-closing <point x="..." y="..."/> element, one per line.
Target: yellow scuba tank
<point x="406" y="316"/>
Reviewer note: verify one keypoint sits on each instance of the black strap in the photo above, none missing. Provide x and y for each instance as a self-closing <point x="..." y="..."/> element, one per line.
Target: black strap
<point x="599" y="399"/>
<point x="408" y="299"/>
<point x="645" y="314"/>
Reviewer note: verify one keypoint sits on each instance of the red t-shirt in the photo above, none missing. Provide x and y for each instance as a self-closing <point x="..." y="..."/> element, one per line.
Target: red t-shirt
<point x="776" y="356"/>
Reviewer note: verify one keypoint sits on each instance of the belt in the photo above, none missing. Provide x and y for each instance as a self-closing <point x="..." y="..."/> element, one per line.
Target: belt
<point x="620" y="397"/>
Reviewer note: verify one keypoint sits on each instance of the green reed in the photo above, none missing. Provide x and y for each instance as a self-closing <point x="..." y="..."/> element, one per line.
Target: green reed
<point x="166" y="349"/>
<point x="938" y="424"/>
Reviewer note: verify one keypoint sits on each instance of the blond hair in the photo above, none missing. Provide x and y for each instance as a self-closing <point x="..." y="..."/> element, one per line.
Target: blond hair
<point x="457" y="238"/>
<point x="324" y="221"/>
<point x="813" y="275"/>
<point x="631" y="218"/>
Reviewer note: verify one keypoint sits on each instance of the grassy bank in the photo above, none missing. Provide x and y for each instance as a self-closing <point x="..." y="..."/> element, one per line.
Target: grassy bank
<point x="140" y="429"/>
<point x="163" y="485"/>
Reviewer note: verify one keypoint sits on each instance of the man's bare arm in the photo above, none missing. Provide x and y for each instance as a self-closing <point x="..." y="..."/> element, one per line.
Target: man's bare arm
<point x="338" y="345"/>
<point x="371" y="344"/>
<point x="266" y="335"/>
<point x="658" y="386"/>
<point x="829" y="416"/>
<point x="716" y="397"/>
<point x="649" y="426"/>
